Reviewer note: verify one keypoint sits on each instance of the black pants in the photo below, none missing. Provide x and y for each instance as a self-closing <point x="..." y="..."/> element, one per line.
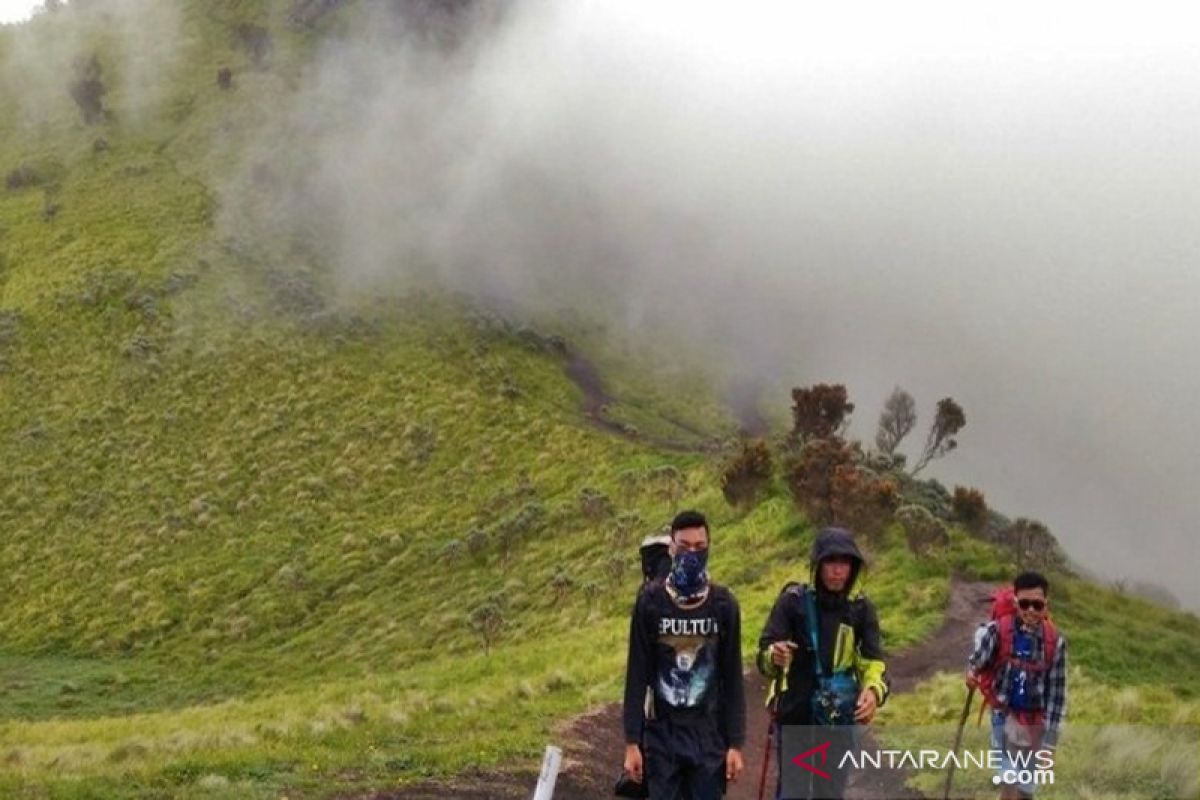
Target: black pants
<point x="684" y="761"/>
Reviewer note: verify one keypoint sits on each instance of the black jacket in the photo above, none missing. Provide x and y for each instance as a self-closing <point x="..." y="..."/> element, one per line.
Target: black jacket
<point x="850" y="615"/>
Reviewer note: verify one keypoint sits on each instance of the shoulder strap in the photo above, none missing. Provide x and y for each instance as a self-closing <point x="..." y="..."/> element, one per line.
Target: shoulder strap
<point x="858" y="615"/>
<point x="721" y="597"/>
<point x="649" y="588"/>
<point x="657" y="598"/>
<point x="810" y="613"/>
<point x="1049" y="643"/>
<point x="1006" y="628"/>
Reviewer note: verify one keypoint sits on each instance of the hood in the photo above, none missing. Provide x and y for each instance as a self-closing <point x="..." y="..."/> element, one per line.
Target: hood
<point x="656" y="557"/>
<point x="836" y="542"/>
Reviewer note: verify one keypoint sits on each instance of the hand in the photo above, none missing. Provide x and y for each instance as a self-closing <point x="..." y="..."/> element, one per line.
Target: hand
<point x="868" y="703"/>
<point x="972" y="679"/>
<point x="733" y="764"/>
<point x="633" y="762"/>
<point x="781" y="653"/>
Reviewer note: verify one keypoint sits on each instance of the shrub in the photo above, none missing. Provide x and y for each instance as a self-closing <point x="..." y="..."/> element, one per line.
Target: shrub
<point x="819" y="411"/>
<point x="509" y="388"/>
<point x="747" y="475"/>
<point x="21" y="177"/>
<point x="140" y="347"/>
<point x="615" y="566"/>
<point x="631" y="483"/>
<point x="50" y="209"/>
<point x="885" y="462"/>
<point x="969" y="508"/>
<point x="254" y="41"/>
<point x="594" y="504"/>
<point x="1032" y="544"/>
<point x="295" y="293"/>
<point x="451" y="550"/>
<point x="623" y="527"/>
<point x="923" y="532"/>
<point x="143" y="303"/>
<point x="669" y="483"/>
<point x="561" y="583"/>
<point x="476" y="542"/>
<point x="829" y="483"/>
<point x="930" y="495"/>
<point x="87" y="89"/>
<point x="517" y="527"/>
<point x="809" y="476"/>
<point x="862" y="500"/>
<point x="10" y="323"/>
<point x="422" y="441"/>
<point x="308" y="12"/>
<point x="486" y="620"/>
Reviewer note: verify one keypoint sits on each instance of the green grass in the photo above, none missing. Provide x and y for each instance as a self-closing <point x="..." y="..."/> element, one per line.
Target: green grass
<point x="1133" y="709"/>
<point x="1120" y="741"/>
<point x="243" y="525"/>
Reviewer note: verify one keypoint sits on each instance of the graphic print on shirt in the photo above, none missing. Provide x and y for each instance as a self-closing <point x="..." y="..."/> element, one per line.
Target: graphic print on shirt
<point x="1023" y="650"/>
<point x="687" y="661"/>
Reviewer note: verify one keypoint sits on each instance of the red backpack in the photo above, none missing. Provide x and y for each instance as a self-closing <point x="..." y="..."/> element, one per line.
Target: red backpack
<point x="1004" y="613"/>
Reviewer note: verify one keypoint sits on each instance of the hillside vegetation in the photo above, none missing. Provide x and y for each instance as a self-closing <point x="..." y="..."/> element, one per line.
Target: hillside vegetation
<point x="260" y="539"/>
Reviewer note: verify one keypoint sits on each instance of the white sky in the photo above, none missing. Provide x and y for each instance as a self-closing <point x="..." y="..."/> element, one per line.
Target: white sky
<point x="16" y="10"/>
<point x="994" y="202"/>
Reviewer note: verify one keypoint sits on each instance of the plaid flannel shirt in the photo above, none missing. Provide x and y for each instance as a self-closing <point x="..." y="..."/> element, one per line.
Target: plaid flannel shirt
<point x="1049" y="694"/>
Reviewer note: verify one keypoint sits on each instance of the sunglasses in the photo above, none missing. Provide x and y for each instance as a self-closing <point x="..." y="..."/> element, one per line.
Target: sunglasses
<point x="1036" y="605"/>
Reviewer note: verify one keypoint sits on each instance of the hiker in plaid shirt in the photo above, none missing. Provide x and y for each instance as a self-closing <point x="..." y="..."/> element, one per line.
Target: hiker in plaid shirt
<point x="1020" y="665"/>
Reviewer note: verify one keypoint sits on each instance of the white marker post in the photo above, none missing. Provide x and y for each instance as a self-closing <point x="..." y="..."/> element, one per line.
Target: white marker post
<point x="550" y="764"/>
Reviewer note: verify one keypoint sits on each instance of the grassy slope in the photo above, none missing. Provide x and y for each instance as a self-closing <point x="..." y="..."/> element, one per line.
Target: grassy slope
<point x="1133" y="716"/>
<point x="226" y="529"/>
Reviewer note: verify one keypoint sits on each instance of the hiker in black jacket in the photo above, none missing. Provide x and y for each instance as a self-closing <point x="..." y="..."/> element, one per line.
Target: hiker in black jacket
<point x="850" y="649"/>
<point x="685" y="710"/>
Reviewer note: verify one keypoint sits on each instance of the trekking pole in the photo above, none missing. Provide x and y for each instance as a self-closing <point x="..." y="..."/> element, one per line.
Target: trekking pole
<point x="962" y="723"/>
<point x="772" y="717"/>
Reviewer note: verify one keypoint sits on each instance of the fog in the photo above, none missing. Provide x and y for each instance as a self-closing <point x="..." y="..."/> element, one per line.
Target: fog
<point x="994" y="204"/>
<point x="989" y="203"/>
<point x="17" y="10"/>
<point x="140" y="42"/>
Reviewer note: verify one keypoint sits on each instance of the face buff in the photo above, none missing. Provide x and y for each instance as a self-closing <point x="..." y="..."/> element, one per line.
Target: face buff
<point x="689" y="577"/>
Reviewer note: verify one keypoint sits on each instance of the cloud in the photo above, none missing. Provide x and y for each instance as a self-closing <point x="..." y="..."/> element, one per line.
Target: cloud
<point x="964" y="203"/>
<point x="139" y="43"/>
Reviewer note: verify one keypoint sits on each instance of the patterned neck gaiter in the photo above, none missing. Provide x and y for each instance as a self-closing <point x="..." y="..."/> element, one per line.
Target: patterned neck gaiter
<point x="689" y="575"/>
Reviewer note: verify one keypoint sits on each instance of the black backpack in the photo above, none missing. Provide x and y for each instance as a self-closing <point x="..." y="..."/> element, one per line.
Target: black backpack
<point x="656" y="558"/>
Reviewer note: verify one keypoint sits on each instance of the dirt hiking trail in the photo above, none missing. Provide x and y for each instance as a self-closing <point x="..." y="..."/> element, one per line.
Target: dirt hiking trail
<point x="593" y="743"/>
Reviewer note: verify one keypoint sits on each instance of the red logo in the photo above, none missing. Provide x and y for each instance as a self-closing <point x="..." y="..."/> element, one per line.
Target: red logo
<point x="800" y="761"/>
